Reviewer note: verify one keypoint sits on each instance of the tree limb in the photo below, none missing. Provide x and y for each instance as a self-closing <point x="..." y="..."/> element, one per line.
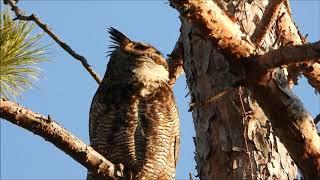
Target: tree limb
<point x="62" y="44"/>
<point x="228" y="36"/>
<point x="60" y="137"/>
<point x="215" y="24"/>
<point x="267" y="21"/>
<point x="291" y="122"/>
<point x="290" y="35"/>
<point x="285" y="56"/>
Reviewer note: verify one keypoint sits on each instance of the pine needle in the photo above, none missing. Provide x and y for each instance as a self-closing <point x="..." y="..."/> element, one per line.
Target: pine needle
<point x="20" y="52"/>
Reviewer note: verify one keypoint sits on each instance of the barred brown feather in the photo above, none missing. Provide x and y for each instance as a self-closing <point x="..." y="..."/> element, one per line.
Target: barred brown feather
<point x="133" y="116"/>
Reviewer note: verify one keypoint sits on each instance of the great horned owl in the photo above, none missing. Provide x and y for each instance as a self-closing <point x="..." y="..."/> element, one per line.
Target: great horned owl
<point x="133" y="116"/>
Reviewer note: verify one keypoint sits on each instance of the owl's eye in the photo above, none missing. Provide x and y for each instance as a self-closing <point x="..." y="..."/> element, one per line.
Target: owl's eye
<point x="140" y="47"/>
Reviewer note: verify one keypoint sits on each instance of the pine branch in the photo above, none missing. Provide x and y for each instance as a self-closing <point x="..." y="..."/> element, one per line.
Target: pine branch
<point x="62" y="44"/>
<point x="20" y="52"/>
<point x="60" y="137"/>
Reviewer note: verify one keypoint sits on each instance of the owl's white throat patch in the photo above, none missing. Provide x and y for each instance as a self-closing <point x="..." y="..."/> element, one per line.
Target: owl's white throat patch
<point x="151" y="75"/>
<point x="150" y="72"/>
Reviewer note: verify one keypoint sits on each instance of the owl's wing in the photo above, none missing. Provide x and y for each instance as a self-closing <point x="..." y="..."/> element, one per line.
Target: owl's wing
<point x="97" y="140"/>
<point x="113" y="121"/>
<point x="177" y="141"/>
<point x="176" y="128"/>
<point x="98" y="122"/>
<point x="159" y="118"/>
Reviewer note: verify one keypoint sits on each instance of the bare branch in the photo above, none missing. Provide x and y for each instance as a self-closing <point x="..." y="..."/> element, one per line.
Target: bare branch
<point x="60" y="137"/>
<point x="175" y="62"/>
<point x="291" y="36"/>
<point x="288" y="55"/>
<point x="267" y="21"/>
<point x="216" y="25"/>
<point x="62" y="44"/>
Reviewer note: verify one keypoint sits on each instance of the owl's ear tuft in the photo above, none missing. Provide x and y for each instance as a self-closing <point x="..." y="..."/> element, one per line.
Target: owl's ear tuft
<point x="117" y="37"/>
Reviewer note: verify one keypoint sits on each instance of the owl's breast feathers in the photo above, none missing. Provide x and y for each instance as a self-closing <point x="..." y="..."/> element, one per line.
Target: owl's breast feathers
<point x="142" y="132"/>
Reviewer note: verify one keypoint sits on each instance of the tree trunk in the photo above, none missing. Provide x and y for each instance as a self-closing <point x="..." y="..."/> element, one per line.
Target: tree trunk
<point x="234" y="138"/>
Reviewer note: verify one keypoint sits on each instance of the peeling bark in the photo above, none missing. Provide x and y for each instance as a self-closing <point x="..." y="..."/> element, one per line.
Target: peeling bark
<point x="232" y="141"/>
<point x="304" y="55"/>
<point x="288" y="34"/>
<point x="285" y="56"/>
<point x="267" y="21"/>
<point x="291" y="122"/>
<point x="211" y="72"/>
<point x="221" y="152"/>
<point x="216" y="24"/>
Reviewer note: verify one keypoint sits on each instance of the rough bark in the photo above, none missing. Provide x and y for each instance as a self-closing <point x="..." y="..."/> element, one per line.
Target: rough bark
<point x="267" y="21"/>
<point x="289" y="55"/>
<point x="312" y="72"/>
<point x="60" y="137"/>
<point x="216" y="24"/>
<point x="293" y="124"/>
<point x="198" y="55"/>
<point x="288" y="34"/>
<point x="234" y="138"/>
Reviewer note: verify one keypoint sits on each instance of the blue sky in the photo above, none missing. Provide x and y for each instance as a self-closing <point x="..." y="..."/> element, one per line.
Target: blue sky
<point x="66" y="89"/>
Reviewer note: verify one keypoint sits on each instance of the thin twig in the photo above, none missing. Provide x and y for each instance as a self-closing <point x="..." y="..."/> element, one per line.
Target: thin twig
<point x="268" y="19"/>
<point x="62" y="44"/>
<point x="52" y="132"/>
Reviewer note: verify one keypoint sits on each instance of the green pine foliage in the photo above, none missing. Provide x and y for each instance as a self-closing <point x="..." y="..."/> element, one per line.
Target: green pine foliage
<point x="20" y="52"/>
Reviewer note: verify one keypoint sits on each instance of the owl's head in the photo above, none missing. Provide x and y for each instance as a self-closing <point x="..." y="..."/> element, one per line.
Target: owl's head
<point x="146" y="62"/>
